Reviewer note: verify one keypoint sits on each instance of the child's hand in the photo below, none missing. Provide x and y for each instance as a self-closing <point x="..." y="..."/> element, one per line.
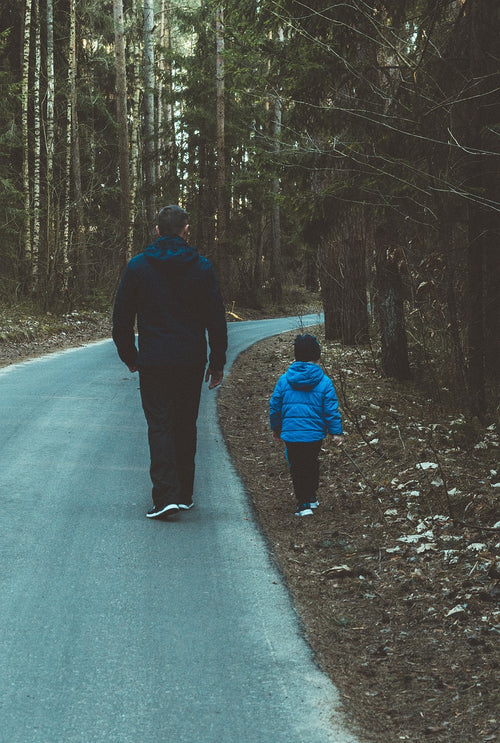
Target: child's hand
<point x="337" y="440"/>
<point x="276" y="436"/>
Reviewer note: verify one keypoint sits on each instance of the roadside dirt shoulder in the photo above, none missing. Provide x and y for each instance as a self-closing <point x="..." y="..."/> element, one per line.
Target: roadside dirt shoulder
<point x="396" y="576"/>
<point x="25" y="337"/>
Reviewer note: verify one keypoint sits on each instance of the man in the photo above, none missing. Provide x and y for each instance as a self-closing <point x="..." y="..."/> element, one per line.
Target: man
<point x="174" y="294"/>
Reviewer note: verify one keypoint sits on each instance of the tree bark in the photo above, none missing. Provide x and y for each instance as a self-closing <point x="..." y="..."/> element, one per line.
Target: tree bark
<point x="135" y="168"/>
<point x="481" y="113"/>
<point x="66" y="268"/>
<point x="37" y="151"/>
<point x="148" y="113"/>
<point x="159" y="116"/>
<point x="50" y="236"/>
<point x="331" y="290"/>
<point x="25" y="102"/>
<point x="354" y="295"/>
<point x="389" y="306"/>
<point x="276" y="266"/>
<point x="170" y="155"/>
<point x="80" y="244"/>
<point x="447" y="243"/>
<point x="81" y="248"/>
<point x="121" y="115"/>
<point x="222" y="259"/>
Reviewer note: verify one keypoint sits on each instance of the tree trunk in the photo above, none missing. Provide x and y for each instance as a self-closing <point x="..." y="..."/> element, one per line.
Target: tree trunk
<point x="81" y="248"/>
<point x="276" y="267"/>
<point x="475" y="312"/>
<point x="171" y="149"/>
<point x="50" y="236"/>
<point x="37" y="151"/>
<point x="148" y="113"/>
<point x="342" y="273"/>
<point x="389" y="305"/>
<point x="492" y="301"/>
<point x="311" y="271"/>
<point x="258" y="245"/>
<point x="448" y="251"/>
<point x="25" y="102"/>
<point x="66" y="268"/>
<point x="331" y="290"/>
<point x="222" y="259"/>
<point x="121" y="115"/>
<point x="202" y="198"/>
<point x="354" y="295"/>
<point x="482" y="113"/>
<point x="160" y="170"/>
<point x="135" y="168"/>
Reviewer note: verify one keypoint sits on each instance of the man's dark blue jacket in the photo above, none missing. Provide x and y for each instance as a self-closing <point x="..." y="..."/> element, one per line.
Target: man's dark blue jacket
<point x="174" y="294"/>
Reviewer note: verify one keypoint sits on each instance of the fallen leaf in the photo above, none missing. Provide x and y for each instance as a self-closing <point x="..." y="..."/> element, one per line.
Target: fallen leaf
<point x="459" y="609"/>
<point x="427" y="466"/>
<point x="337" y="570"/>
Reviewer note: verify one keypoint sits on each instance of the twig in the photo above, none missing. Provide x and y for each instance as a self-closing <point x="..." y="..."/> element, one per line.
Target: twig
<point x="370" y="485"/>
<point x="354" y="417"/>
<point x="443" y="477"/>
<point x="399" y="433"/>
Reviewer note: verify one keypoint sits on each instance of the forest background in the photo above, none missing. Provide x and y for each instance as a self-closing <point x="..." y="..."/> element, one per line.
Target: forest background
<point x="346" y="150"/>
<point x="351" y="148"/>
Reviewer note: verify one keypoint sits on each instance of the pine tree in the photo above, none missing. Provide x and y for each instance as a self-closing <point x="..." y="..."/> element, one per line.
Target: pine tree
<point x="122" y="121"/>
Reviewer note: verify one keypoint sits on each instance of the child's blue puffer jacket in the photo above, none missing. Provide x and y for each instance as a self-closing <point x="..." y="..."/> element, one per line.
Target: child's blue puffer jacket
<point x="304" y="405"/>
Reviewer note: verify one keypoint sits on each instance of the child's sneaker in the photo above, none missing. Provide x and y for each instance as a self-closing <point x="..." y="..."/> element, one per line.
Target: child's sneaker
<point x="304" y="510"/>
<point x="314" y="504"/>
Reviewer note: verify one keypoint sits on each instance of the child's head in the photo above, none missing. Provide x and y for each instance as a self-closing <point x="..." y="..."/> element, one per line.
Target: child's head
<point x="306" y="348"/>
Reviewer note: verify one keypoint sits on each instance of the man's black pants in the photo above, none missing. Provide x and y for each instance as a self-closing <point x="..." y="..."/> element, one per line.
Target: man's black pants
<point x="170" y="400"/>
<point x="304" y="469"/>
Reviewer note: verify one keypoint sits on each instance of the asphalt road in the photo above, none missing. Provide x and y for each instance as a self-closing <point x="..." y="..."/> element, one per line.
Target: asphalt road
<point x="114" y="627"/>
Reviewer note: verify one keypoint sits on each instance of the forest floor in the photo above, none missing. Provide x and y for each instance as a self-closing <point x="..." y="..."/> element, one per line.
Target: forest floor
<point x="396" y="577"/>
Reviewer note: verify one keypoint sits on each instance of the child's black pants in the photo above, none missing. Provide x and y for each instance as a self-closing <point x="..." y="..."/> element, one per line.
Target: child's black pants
<point x="304" y="468"/>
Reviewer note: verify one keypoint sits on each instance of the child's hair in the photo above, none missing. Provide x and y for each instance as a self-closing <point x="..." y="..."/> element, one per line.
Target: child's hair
<point x="306" y="348"/>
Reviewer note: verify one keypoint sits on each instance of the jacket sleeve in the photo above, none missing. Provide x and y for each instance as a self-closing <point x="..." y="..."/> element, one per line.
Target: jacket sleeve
<point x="216" y="323"/>
<point x="275" y="405"/>
<point x="124" y="314"/>
<point x="331" y="410"/>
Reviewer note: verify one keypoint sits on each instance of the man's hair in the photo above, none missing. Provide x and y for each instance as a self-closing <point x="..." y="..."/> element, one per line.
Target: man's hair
<point x="172" y="220"/>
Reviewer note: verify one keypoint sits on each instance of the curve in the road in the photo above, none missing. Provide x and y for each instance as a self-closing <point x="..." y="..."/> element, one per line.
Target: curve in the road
<point x="114" y="628"/>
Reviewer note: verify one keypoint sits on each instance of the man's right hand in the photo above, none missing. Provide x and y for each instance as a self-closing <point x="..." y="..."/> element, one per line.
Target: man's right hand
<point x="214" y="378"/>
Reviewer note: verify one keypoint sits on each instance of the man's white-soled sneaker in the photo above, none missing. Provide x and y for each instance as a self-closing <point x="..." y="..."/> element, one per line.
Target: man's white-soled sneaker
<point x="168" y="510"/>
<point x="314" y="504"/>
<point x="304" y="510"/>
<point x="186" y="506"/>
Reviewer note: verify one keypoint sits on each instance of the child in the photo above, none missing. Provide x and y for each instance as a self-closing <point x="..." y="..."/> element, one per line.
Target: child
<point x="303" y="409"/>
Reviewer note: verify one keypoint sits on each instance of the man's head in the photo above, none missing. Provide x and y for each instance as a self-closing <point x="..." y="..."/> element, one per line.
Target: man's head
<point x="172" y="220"/>
<point x="306" y="348"/>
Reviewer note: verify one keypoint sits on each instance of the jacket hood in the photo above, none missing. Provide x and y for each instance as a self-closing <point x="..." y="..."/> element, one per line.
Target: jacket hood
<point x="303" y="375"/>
<point x="170" y="252"/>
